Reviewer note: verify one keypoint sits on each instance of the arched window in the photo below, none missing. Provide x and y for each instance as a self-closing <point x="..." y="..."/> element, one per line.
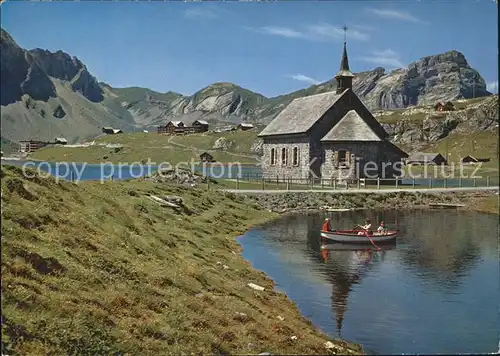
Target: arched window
<point x="295" y="156"/>
<point x="284" y="156"/>
<point x="273" y="156"/>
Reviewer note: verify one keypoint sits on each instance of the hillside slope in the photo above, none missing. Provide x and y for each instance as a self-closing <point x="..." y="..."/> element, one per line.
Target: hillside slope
<point x="94" y="269"/>
<point x="47" y="94"/>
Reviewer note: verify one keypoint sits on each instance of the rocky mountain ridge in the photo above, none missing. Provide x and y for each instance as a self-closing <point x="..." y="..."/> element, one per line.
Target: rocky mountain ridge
<point x="47" y="94"/>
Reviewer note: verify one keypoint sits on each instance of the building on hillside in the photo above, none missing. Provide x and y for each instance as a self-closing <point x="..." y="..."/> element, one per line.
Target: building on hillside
<point x="244" y="126"/>
<point x="329" y="135"/>
<point x="111" y="131"/>
<point x="473" y="160"/>
<point x="178" y="127"/>
<point x="27" y="146"/>
<point x="200" y="125"/>
<point x="420" y="158"/>
<point x="206" y="157"/>
<point x="448" y="106"/>
<point x="60" y="141"/>
<point x="172" y="127"/>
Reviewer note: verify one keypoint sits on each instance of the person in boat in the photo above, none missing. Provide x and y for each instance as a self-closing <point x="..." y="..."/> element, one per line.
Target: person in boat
<point x="381" y="229"/>
<point x="366" y="228"/>
<point x="326" y="225"/>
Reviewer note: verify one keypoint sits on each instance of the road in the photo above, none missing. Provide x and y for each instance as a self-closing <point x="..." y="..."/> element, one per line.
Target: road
<point x="350" y="191"/>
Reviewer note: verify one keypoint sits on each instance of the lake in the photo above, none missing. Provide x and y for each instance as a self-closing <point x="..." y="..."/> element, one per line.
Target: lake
<point x="434" y="291"/>
<point x="87" y="171"/>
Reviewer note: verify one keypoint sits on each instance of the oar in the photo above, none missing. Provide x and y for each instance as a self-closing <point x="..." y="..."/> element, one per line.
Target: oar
<point x="373" y="243"/>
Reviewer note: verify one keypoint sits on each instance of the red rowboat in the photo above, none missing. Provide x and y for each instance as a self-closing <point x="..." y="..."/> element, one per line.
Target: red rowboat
<point x="351" y="236"/>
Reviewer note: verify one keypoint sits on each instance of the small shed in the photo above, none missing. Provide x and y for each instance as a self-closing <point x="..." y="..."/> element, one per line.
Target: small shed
<point x="206" y="157"/>
<point x="472" y="160"/>
<point x="60" y="141"/>
<point x="448" y="106"/>
<point x="111" y="131"/>
<point x="245" y="126"/>
<point x="426" y="158"/>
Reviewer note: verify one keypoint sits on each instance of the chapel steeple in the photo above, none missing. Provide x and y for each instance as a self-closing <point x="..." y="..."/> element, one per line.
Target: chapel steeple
<point x="344" y="75"/>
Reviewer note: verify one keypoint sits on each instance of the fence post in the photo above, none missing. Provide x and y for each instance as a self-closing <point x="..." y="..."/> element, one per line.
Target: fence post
<point x="413" y="183"/>
<point x="488" y="181"/>
<point x="237" y="182"/>
<point x="208" y="182"/>
<point x="378" y="182"/>
<point x="288" y="184"/>
<point x="322" y="183"/>
<point x="474" y="179"/>
<point x="334" y="183"/>
<point x="444" y="183"/>
<point x="430" y="182"/>
<point x="397" y="182"/>
<point x="263" y="185"/>
<point x="312" y="183"/>
<point x="460" y="182"/>
<point x="277" y="182"/>
<point x="359" y="184"/>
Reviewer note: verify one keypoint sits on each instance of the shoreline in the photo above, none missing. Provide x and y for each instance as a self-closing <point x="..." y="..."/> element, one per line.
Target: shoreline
<point x="485" y="201"/>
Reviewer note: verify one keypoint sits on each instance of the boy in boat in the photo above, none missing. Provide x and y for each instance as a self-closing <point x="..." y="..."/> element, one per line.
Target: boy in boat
<point x="326" y="225"/>
<point x="381" y="229"/>
<point x="367" y="228"/>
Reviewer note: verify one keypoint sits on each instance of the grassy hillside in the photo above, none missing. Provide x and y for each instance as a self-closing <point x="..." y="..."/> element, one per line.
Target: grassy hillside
<point x="102" y="269"/>
<point x="159" y="148"/>
<point x="415" y="114"/>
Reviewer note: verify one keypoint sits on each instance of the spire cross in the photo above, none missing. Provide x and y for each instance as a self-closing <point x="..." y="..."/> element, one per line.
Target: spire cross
<point x="345" y="32"/>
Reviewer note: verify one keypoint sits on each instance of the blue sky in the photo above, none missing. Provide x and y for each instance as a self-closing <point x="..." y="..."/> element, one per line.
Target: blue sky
<point x="268" y="47"/>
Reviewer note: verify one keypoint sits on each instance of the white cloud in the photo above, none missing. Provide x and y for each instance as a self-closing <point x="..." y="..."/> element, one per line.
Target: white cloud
<point x="316" y="32"/>
<point x="396" y="15"/>
<point x="326" y="31"/>
<point x="387" y="58"/>
<point x="492" y="87"/>
<point x="304" y="78"/>
<point x="199" y="13"/>
<point x="280" y="31"/>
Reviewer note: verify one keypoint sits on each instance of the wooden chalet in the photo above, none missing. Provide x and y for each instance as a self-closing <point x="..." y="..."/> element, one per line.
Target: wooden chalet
<point x="179" y="128"/>
<point x="473" y="160"/>
<point x="200" y="125"/>
<point x="420" y="158"/>
<point x="244" y="126"/>
<point x="27" y="146"/>
<point x="206" y="157"/>
<point x="111" y="131"/>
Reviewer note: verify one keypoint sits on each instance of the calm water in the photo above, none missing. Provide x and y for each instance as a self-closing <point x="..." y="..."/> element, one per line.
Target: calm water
<point x="66" y="170"/>
<point x="434" y="291"/>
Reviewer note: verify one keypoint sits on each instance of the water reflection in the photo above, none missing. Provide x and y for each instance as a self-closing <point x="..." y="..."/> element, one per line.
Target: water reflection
<point x="419" y="295"/>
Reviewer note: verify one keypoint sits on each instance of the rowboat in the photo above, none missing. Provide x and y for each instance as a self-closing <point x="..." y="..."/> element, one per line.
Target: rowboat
<point x="351" y="236"/>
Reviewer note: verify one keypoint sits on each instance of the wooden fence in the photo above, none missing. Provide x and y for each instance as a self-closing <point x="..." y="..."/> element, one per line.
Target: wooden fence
<point x="252" y="181"/>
